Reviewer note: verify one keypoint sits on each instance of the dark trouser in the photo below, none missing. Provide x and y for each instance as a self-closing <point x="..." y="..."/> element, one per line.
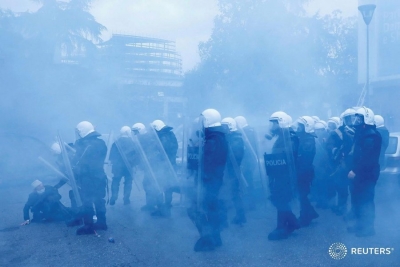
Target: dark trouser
<point x="168" y="194"/>
<point x="281" y="195"/>
<point x="342" y="188"/>
<point x="304" y="185"/>
<point x="211" y="205"/>
<point x="249" y="197"/>
<point x="127" y="186"/>
<point x="320" y="187"/>
<point x="363" y="203"/>
<point x="150" y="189"/>
<point x="92" y="193"/>
<point x="51" y="211"/>
<point x="236" y="193"/>
<point x="207" y="220"/>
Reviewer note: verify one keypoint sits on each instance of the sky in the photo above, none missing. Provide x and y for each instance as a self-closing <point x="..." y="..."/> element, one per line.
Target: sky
<point x="187" y="22"/>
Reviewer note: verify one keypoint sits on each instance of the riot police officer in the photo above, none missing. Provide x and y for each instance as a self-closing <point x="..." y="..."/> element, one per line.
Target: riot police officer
<point x="305" y="168"/>
<point x="123" y="157"/>
<point x="88" y="165"/>
<point x="204" y="211"/>
<point x="280" y="168"/>
<point x="234" y="173"/>
<point x="365" y="171"/>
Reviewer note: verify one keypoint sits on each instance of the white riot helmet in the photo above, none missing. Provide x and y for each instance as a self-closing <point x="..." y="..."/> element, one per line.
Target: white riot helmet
<point x="139" y="127"/>
<point x="125" y="131"/>
<point x="320" y="125"/>
<point x="315" y="118"/>
<point x="283" y="119"/>
<point x="367" y="114"/>
<point x="212" y="118"/>
<point x="55" y="147"/>
<point x="84" y="128"/>
<point x="347" y="117"/>
<point x="158" y="125"/>
<point x="241" y="122"/>
<point x="335" y="122"/>
<point x="231" y="123"/>
<point x="379" y="121"/>
<point x="308" y="123"/>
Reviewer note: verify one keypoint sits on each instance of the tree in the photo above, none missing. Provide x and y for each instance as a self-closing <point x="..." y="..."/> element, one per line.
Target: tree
<point x="62" y="29"/>
<point x="269" y="53"/>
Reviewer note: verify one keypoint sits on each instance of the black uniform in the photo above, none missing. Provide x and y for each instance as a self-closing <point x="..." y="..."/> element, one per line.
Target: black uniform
<point x="339" y="146"/>
<point x="280" y="167"/>
<point x="367" y="148"/>
<point x="119" y="168"/>
<point x="45" y="206"/>
<point x="383" y="131"/>
<point x="236" y="147"/>
<point x="321" y="189"/>
<point x="206" y="213"/>
<point x="169" y="185"/>
<point x="148" y="145"/>
<point x="305" y="176"/>
<point x="89" y="171"/>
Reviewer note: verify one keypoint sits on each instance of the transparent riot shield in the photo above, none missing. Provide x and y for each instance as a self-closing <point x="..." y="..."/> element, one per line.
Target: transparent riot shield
<point x="107" y="163"/>
<point x="166" y="173"/>
<point x="279" y="161"/>
<point x="237" y="171"/>
<point x="54" y="169"/>
<point x="145" y="163"/>
<point x="291" y="148"/>
<point x="252" y="154"/>
<point x="124" y="150"/>
<point x="200" y="165"/>
<point x="69" y="172"/>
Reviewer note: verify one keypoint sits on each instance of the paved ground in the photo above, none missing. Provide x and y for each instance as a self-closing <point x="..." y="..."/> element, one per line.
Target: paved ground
<point x="141" y="240"/>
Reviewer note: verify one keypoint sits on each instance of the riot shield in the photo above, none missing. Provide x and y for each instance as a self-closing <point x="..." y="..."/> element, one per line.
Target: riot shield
<point x="167" y="175"/>
<point x="252" y="152"/>
<point x="238" y="172"/>
<point x="107" y="163"/>
<point x="123" y="152"/>
<point x="70" y="173"/>
<point x="53" y="168"/>
<point x="200" y="165"/>
<point x="291" y="145"/>
<point x="145" y="162"/>
<point x="279" y="164"/>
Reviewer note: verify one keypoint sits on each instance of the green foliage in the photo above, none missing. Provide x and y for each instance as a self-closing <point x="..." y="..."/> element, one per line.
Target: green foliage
<point x="268" y="52"/>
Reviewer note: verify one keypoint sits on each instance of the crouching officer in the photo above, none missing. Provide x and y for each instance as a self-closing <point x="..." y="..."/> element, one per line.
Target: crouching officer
<point x="44" y="203"/>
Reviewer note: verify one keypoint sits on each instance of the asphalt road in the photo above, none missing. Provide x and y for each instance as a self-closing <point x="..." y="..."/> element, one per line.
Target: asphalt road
<point x="141" y="240"/>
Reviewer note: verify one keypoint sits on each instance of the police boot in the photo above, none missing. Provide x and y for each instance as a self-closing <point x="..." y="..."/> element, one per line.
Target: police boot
<point x="291" y="222"/>
<point x="240" y="218"/>
<point x="206" y="241"/>
<point x="339" y="210"/>
<point x="162" y="211"/>
<point x="87" y="229"/>
<point x="222" y="214"/>
<point x="114" y="190"/>
<point x="280" y="232"/>
<point x="127" y="192"/>
<point x="307" y="216"/>
<point x="217" y="238"/>
<point x="101" y="221"/>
